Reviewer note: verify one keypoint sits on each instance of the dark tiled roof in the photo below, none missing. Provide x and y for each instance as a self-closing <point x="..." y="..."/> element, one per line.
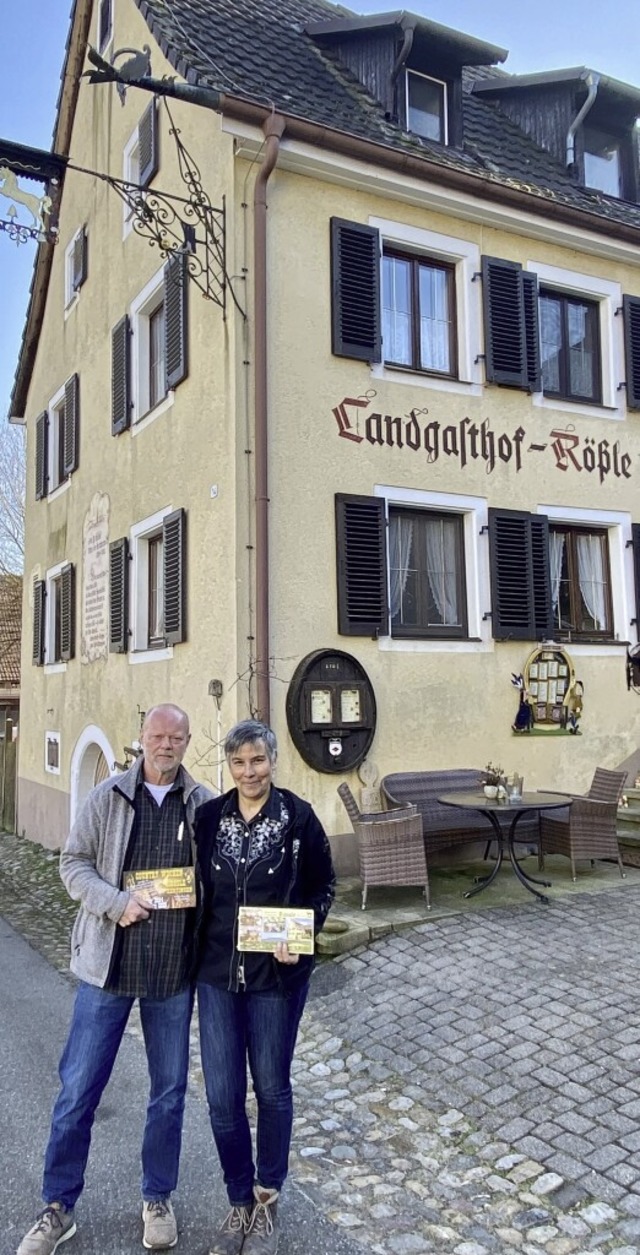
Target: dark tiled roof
<point x="259" y="50"/>
<point x="10" y="629"/>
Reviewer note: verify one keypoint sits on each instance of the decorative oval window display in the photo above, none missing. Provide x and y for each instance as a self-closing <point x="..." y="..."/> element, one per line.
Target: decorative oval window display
<point x="551" y="697"/>
<point x="331" y="710"/>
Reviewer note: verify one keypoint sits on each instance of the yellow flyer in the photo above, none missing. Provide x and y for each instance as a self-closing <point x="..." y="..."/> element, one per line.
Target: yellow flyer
<point x="163" y="888"/>
<point x="262" y="927"/>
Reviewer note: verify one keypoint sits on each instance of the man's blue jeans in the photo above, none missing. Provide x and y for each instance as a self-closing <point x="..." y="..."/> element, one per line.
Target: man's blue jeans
<point x="260" y="1027"/>
<point x="98" y="1023"/>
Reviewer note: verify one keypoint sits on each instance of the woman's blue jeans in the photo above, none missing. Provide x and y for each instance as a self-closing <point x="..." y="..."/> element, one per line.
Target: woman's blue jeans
<point x="261" y="1028"/>
<point x="98" y="1023"/>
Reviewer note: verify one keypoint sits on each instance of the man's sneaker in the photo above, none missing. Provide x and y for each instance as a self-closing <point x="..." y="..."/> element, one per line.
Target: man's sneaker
<point x="262" y="1234"/>
<point x="54" y="1225"/>
<point x="160" y="1228"/>
<point x="230" y="1236"/>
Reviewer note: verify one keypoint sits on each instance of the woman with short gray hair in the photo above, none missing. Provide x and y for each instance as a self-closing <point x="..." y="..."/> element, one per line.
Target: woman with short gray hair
<point x="258" y="845"/>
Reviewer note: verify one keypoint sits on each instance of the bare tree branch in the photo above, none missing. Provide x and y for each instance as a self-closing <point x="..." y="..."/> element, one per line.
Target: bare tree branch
<point x="12" y="490"/>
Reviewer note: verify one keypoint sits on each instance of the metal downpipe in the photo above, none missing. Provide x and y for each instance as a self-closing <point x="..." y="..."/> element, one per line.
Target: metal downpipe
<point x="592" y="80"/>
<point x="273" y="129"/>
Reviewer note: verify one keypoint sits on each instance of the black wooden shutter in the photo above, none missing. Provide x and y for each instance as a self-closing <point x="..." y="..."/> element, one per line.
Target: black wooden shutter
<point x="39" y="596"/>
<point x="520" y="581"/>
<point x="120" y="377"/>
<point x="79" y="259"/>
<point x="174" y="551"/>
<point x="42" y="455"/>
<point x="631" y="308"/>
<point x="361" y="544"/>
<point x="635" y="540"/>
<point x="104" y="24"/>
<point x="71" y="426"/>
<point x="67" y="612"/>
<point x="176" y="287"/>
<point x="148" y="145"/>
<point x="355" y="291"/>
<point x="119" y="596"/>
<point x="532" y="330"/>
<point x="504" y="322"/>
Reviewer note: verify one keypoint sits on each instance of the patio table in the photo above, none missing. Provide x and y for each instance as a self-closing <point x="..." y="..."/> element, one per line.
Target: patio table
<point x="495" y="811"/>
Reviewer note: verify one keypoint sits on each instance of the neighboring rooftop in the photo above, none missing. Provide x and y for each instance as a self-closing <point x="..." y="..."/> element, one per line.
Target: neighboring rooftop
<point x="10" y="631"/>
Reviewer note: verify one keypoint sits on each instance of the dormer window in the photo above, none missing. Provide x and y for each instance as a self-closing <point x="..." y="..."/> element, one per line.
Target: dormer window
<point x="602" y="162"/>
<point x="426" y="107"/>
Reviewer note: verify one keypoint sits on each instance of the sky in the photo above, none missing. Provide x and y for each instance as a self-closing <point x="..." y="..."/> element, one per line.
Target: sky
<point x="545" y="35"/>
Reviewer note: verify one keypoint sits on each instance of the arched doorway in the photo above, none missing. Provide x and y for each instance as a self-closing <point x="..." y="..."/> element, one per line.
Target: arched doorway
<point x="92" y="761"/>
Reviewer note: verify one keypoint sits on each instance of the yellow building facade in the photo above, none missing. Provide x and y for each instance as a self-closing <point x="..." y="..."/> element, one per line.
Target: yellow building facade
<point x="427" y="499"/>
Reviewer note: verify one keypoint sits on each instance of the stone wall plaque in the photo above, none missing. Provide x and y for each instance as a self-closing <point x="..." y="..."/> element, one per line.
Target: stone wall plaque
<point x="95" y="580"/>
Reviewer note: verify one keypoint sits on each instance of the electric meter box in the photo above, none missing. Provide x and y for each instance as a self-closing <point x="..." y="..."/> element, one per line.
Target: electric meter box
<point x="331" y="711"/>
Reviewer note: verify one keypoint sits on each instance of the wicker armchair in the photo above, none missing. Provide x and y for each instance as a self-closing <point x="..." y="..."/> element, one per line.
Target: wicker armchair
<point x="390" y="846"/>
<point x="586" y="828"/>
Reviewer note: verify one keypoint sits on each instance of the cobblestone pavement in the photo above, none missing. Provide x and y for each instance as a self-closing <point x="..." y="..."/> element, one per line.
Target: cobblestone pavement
<point x="469" y="1085"/>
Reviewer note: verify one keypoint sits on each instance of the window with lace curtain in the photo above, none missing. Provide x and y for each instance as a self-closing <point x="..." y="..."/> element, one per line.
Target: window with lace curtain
<point x="580" y="583"/>
<point x="426" y="574"/>
<point x="570" y="347"/>
<point x="418" y="313"/>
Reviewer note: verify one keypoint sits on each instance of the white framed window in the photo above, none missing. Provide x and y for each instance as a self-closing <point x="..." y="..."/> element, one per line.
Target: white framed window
<point x="140" y="160"/>
<point x="149" y="388"/>
<point x="52" y="753"/>
<point x="75" y="268"/>
<point x="426" y="106"/>
<point x="55" y="445"/>
<point x="130" y="174"/>
<point x="592" y="577"/>
<point x="432" y="338"/>
<point x="57" y="432"/>
<point x="581" y="342"/>
<point x="53" y="660"/>
<point x="146" y="592"/>
<point x="438" y="574"/>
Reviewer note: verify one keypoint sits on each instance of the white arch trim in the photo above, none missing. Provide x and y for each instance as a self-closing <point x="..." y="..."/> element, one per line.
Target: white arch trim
<point x="91" y="736"/>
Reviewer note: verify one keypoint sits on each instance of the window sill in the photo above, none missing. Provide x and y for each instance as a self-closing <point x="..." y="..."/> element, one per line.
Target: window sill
<point x="595" y="649"/>
<point x="590" y="409"/>
<point x="68" y="309"/>
<point x="404" y="645"/>
<point x="150" y="655"/>
<point x="419" y="379"/>
<point x="54" y="668"/>
<point x="140" y="424"/>
<point x="58" y="492"/>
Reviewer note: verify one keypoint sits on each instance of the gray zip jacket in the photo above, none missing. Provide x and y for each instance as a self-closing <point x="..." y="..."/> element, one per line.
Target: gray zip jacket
<point x="92" y="861"/>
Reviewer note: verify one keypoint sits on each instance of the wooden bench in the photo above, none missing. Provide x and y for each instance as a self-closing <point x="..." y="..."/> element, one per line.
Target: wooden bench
<point x="445" y="827"/>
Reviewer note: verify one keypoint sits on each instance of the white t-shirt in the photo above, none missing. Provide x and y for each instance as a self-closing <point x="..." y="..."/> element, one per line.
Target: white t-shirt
<point x="158" y="791"/>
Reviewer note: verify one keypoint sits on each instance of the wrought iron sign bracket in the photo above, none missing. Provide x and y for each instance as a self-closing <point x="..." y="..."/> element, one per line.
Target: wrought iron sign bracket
<point x="189" y="224"/>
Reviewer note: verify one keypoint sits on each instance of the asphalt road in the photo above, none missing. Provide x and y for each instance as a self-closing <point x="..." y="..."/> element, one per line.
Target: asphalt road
<point x="35" y="1008"/>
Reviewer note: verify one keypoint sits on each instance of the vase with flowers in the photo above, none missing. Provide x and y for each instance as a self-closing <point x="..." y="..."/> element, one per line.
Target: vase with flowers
<point x="492" y="780"/>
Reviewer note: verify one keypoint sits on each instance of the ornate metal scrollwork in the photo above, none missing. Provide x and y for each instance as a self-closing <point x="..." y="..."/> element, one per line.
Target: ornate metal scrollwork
<point x="177" y="224"/>
<point x="19" y="233"/>
<point x="181" y="224"/>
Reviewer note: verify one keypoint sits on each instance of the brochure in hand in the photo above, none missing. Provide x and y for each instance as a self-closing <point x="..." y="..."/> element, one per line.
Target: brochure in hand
<point x="262" y="927"/>
<point x="163" y="888"/>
